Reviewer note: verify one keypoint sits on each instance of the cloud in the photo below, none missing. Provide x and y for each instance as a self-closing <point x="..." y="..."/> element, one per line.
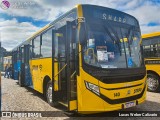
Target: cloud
<point x="48" y="9"/>
<point x="149" y="29"/>
<point x="146" y="13"/>
<point x="29" y="8"/>
<point x="13" y="32"/>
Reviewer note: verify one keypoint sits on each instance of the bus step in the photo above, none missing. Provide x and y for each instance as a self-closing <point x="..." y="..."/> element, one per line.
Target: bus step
<point x="63" y="103"/>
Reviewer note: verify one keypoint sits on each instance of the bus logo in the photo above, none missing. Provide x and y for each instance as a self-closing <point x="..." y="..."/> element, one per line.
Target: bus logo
<point x="40" y="67"/>
<point x="128" y="92"/>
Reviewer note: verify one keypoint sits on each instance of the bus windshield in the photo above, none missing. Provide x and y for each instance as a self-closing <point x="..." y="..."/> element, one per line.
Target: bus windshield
<point x="112" y="46"/>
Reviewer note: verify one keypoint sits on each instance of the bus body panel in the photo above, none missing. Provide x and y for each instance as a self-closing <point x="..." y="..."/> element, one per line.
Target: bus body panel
<point x="40" y="68"/>
<point x="95" y="103"/>
<point x="17" y="68"/>
<point x="153" y="67"/>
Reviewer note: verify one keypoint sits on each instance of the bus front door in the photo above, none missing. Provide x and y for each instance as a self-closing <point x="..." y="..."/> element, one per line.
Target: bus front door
<point x="64" y="74"/>
<point x="71" y="61"/>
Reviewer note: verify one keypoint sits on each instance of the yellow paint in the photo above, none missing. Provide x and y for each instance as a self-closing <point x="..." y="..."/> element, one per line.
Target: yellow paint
<point x="56" y="87"/>
<point x="151" y="35"/>
<point x="123" y="92"/>
<point x="39" y="73"/>
<point x="87" y="101"/>
<point x="73" y="105"/>
<point x="79" y="10"/>
<point x="153" y="67"/>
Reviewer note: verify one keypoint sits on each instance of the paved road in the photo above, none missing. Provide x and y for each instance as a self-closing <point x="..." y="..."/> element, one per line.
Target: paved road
<point x="15" y="98"/>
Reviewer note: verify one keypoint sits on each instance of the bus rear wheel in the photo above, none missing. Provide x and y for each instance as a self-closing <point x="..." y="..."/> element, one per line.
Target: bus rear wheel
<point x="49" y="95"/>
<point x="153" y="82"/>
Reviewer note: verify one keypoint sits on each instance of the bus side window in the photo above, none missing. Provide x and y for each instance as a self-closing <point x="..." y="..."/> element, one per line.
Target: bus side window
<point x="46" y="44"/>
<point x="36" y="53"/>
<point x="30" y="49"/>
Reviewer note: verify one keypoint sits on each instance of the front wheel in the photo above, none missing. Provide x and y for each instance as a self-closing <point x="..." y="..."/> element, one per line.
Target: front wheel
<point x="49" y="94"/>
<point x="153" y="82"/>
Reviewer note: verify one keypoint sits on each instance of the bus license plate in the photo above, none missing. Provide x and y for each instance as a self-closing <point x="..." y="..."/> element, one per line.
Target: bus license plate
<point x="129" y="104"/>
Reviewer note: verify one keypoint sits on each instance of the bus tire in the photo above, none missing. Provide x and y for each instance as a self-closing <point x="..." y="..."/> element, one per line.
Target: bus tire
<point x="48" y="95"/>
<point x="153" y="82"/>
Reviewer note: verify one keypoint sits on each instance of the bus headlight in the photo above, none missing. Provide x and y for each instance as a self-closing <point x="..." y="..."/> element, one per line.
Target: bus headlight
<point x="92" y="87"/>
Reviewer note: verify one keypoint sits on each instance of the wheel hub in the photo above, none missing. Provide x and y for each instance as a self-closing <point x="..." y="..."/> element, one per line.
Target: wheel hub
<point x="152" y="83"/>
<point x="49" y="93"/>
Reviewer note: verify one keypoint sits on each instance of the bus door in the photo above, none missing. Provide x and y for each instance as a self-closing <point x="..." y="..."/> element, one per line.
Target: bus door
<point x="14" y="60"/>
<point x="71" y="60"/>
<point x="27" y="73"/>
<point x="59" y="65"/>
<point x="15" y="65"/>
<point x="21" y="71"/>
<point x="25" y="69"/>
<point x="64" y="65"/>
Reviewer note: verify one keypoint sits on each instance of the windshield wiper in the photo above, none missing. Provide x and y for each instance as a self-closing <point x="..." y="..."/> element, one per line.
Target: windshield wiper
<point x="113" y="39"/>
<point x="129" y="42"/>
<point x="124" y="47"/>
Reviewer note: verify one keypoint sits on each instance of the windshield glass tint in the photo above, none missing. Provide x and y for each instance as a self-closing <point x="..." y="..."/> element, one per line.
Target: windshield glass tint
<point x="112" y="46"/>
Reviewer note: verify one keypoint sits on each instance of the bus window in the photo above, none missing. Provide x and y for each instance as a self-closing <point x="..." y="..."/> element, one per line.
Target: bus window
<point x="36" y="53"/>
<point x="46" y="47"/>
<point x="151" y="47"/>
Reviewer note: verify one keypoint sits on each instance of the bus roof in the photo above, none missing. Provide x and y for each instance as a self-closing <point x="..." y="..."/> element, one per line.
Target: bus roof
<point x="151" y="35"/>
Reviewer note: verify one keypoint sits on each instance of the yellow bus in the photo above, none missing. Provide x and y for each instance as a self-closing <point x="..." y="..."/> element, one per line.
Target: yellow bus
<point x="151" y="51"/>
<point x="7" y="61"/>
<point x="88" y="60"/>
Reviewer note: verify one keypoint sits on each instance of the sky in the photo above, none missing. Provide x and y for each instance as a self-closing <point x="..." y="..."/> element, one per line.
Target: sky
<point x="22" y="18"/>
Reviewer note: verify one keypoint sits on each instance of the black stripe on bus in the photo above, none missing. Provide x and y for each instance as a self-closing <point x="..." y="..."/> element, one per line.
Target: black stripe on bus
<point x="121" y="87"/>
<point x="152" y="62"/>
<point x="122" y="100"/>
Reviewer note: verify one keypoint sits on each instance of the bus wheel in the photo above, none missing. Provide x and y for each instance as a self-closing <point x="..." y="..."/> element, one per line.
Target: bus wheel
<point x="153" y="82"/>
<point x="49" y="95"/>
